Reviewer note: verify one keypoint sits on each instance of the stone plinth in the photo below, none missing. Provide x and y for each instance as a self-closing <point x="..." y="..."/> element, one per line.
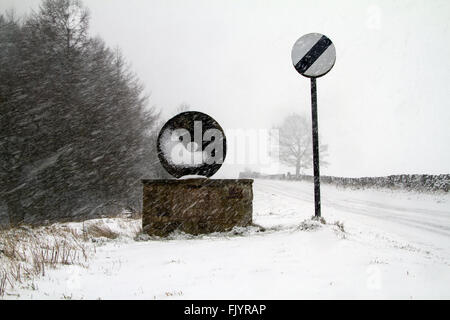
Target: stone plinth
<point x="196" y="205"/>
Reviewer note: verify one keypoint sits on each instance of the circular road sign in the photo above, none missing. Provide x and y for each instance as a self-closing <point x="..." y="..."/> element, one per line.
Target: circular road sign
<point x="313" y="55"/>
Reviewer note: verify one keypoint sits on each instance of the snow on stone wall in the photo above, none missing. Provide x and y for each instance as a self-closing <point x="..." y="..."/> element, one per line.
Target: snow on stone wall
<point x="413" y="182"/>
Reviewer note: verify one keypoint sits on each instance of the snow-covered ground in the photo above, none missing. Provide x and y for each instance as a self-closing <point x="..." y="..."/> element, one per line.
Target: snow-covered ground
<point x="395" y="245"/>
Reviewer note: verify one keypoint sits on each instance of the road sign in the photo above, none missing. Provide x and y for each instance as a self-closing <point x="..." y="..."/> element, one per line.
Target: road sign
<point x="313" y="55"/>
<point x="191" y="143"/>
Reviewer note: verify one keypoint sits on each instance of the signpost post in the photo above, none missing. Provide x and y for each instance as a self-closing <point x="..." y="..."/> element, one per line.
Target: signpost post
<point x="313" y="55"/>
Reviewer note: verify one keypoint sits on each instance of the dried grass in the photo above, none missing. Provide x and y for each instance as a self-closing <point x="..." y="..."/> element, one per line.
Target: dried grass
<point x="26" y="252"/>
<point x="340" y="226"/>
<point x="99" y="231"/>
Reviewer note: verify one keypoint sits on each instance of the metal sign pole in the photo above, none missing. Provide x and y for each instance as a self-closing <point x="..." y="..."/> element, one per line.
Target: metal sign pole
<point x="313" y="56"/>
<point x="315" y="137"/>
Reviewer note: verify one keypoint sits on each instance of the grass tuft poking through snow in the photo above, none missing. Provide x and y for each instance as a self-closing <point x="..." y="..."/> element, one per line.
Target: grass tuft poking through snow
<point x="26" y="253"/>
<point x="340" y="226"/>
<point x="101" y="230"/>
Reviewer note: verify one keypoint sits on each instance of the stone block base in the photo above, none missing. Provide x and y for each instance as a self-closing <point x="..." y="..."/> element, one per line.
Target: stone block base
<point x="196" y="206"/>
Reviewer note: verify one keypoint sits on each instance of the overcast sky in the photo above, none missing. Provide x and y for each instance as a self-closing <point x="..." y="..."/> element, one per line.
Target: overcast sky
<point x="383" y="108"/>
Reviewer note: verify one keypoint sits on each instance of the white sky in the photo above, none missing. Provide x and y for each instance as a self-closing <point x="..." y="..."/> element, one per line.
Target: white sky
<point x="383" y="109"/>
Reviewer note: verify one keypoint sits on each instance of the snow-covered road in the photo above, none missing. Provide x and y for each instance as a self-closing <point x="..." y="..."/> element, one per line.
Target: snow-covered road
<point x="403" y="213"/>
<point x="396" y="245"/>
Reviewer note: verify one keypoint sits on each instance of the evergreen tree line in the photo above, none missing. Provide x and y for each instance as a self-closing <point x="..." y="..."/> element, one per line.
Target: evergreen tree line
<point x="76" y="135"/>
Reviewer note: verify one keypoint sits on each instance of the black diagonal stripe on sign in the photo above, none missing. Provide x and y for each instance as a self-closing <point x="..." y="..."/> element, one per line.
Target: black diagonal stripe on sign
<point x="313" y="54"/>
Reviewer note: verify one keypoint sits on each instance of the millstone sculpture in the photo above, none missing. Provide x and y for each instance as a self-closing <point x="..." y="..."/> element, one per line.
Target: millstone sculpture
<point x="191" y="143"/>
<point x="194" y="144"/>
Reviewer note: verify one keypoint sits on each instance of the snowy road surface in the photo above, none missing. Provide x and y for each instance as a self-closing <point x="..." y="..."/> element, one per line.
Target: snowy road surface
<point x="396" y="244"/>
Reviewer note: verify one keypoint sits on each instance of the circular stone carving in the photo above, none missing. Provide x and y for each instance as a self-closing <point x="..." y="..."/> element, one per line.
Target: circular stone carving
<point x="191" y="143"/>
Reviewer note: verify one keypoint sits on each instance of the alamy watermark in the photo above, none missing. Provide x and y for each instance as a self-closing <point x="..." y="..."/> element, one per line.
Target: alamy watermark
<point x="243" y="146"/>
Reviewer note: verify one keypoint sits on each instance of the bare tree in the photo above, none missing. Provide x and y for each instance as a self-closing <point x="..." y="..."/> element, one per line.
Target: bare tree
<point x="295" y="143"/>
